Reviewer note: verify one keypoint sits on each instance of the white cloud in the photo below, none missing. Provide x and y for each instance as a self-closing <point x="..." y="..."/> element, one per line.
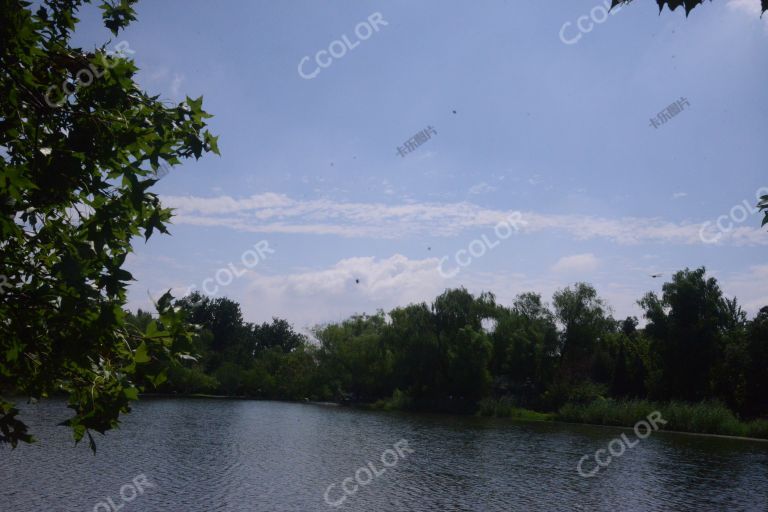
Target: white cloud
<point x="353" y="285"/>
<point x="751" y="8"/>
<point x="751" y="287"/>
<point x="162" y="76"/>
<point x="310" y="297"/>
<point x="307" y="297"/>
<point x="277" y="213"/>
<point x="176" y="85"/>
<point x="577" y="263"/>
<point x="679" y="195"/>
<point x="159" y="73"/>
<point x="481" y="188"/>
<point x="536" y="179"/>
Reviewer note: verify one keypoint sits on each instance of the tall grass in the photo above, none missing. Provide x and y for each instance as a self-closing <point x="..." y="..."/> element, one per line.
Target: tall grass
<point x="702" y="418"/>
<point x="504" y="408"/>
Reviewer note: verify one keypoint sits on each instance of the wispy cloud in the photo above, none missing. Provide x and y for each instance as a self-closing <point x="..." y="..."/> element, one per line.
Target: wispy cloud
<point x="481" y="188"/>
<point x="175" y="87"/>
<point x="751" y="8"/>
<point x="577" y="263"/>
<point x="365" y="284"/>
<point x="750" y="287"/>
<point x="352" y="285"/>
<point x="278" y="213"/>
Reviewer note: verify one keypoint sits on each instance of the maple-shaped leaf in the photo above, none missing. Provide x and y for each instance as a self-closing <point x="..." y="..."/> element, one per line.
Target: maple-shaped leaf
<point x="687" y="4"/>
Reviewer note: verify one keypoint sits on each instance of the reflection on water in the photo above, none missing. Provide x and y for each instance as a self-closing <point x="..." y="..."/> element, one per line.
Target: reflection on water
<point x="221" y="455"/>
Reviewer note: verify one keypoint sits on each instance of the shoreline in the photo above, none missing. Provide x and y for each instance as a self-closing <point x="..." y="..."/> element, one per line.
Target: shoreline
<point x="367" y="407"/>
<point x="660" y="431"/>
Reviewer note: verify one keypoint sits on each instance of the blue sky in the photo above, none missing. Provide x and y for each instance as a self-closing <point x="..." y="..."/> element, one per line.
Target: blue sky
<point x="558" y="132"/>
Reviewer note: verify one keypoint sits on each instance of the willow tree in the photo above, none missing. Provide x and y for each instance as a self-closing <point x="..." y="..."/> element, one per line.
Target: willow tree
<point x="80" y="146"/>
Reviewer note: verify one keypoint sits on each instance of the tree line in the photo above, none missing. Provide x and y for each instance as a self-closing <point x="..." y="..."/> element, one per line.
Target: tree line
<point x="696" y="345"/>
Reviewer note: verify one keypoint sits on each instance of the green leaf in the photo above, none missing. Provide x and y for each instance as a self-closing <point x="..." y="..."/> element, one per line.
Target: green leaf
<point x="131" y="393"/>
<point x="141" y="355"/>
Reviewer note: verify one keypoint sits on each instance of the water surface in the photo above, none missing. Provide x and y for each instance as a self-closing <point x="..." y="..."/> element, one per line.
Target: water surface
<point x="229" y="455"/>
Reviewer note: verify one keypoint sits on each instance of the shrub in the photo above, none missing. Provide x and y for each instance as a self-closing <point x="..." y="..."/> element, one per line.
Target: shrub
<point x="400" y="401"/>
<point x="191" y="380"/>
<point x="758" y="428"/>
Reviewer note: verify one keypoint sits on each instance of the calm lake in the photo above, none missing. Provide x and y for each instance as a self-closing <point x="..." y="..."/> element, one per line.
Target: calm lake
<point x="226" y="455"/>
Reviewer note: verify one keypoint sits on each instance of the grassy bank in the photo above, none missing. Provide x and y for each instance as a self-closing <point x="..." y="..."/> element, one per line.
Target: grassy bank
<point x="503" y="408"/>
<point x="700" y="418"/>
<point x="401" y="401"/>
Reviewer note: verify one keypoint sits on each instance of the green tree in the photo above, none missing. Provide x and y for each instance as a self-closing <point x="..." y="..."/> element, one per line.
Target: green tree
<point x="413" y="337"/>
<point x="75" y="175"/>
<point x="629" y="352"/>
<point x="525" y="348"/>
<point x="685" y="327"/>
<point x="278" y="334"/>
<point x="586" y="321"/>
<point x="222" y="318"/>
<point x="457" y="308"/>
<point x="190" y="379"/>
<point x="296" y="373"/>
<point x="756" y="376"/>
<point x="140" y="320"/>
<point x="469" y="353"/>
<point x="357" y="365"/>
<point x="231" y="378"/>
